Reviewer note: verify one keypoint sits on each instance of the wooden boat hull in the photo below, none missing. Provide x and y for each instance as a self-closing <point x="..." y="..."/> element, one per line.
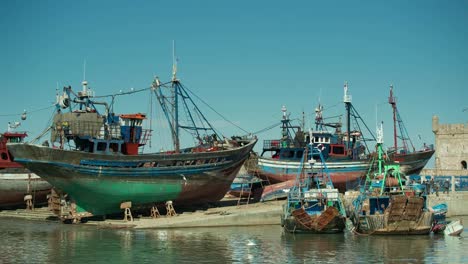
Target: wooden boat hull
<point x="454" y="228"/>
<point x="277" y="191"/>
<point x="245" y="185"/>
<point x="438" y="228"/>
<point x="345" y="175"/>
<point x="99" y="183"/>
<point x="15" y="183"/>
<point x="378" y="225"/>
<point x="404" y="216"/>
<point x="329" y="222"/>
<point x="412" y="163"/>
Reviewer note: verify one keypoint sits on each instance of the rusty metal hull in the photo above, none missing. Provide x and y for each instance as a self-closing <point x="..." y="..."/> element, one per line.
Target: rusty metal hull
<point x="99" y="183"/>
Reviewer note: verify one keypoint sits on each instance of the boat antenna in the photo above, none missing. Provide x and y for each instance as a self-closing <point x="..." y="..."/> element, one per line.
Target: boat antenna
<point x="347" y="101"/>
<point x="303" y="120"/>
<point x="84" y="83"/>
<point x="376" y="119"/>
<point x="174" y="63"/>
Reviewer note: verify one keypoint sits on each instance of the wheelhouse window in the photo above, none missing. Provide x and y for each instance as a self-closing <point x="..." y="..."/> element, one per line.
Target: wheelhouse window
<point x="15" y="140"/>
<point x="338" y="150"/>
<point x="102" y="146"/>
<point x="287" y="154"/>
<point x="114" y="147"/>
<point x="299" y="154"/>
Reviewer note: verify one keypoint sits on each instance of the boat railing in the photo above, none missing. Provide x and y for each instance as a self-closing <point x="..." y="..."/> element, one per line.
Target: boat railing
<point x="88" y="129"/>
<point x="145" y="136"/>
<point x="271" y="144"/>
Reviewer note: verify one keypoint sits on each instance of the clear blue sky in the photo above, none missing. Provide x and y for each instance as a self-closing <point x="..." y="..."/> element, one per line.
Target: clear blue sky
<point x="245" y="58"/>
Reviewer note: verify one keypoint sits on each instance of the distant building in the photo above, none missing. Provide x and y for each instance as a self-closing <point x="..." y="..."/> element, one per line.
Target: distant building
<point x="451" y="145"/>
<point x="451" y="142"/>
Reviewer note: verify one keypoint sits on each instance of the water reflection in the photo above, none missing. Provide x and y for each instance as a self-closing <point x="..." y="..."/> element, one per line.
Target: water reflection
<point x="45" y="242"/>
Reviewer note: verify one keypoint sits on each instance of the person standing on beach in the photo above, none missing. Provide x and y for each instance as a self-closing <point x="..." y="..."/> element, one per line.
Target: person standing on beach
<point x="446" y="186"/>
<point x="427" y="187"/>
<point x="431" y="186"/>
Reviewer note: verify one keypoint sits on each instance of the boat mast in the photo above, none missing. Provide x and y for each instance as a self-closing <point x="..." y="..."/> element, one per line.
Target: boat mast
<point x="319" y="118"/>
<point x="379" y="146"/>
<point x="84" y="93"/>
<point x="175" y="112"/>
<point x="403" y="132"/>
<point x="347" y="101"/>
<point x="285" y="133"/>
<point x="392" y="102"/>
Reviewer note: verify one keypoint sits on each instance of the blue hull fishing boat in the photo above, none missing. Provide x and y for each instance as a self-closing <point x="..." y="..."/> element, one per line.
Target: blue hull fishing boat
<point x="313" y="204"/>
<point x="344" y="152"/>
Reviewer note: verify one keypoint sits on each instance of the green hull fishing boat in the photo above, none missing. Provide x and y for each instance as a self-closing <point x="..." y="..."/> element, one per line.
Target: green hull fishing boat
<point x="95" y="157"/>
<point x="385" y="206"/>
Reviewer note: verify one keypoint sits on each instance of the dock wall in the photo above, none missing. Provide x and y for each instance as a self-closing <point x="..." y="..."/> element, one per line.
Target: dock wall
<point x="456" y="202"/>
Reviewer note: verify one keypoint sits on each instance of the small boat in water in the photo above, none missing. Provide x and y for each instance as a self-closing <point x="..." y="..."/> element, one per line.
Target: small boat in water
<point x="440" y="211"/>
<point x="440" y="214"/>
<point x="454" y="228"/>
<point x="386" y="209"/>
<point x="96" y="158"/>
<point x="18" y="184"/>
<point x="313" y="204"/>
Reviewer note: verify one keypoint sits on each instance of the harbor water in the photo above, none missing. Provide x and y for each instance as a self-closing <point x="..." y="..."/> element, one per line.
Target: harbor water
<point x="24" y="241"/>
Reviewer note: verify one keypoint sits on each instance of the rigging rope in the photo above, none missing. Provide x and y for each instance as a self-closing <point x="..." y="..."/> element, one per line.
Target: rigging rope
<point x="267" y="128"/>
<point x="328" y="107"/>
<point x="163" y="84"/>
<point x="47" y="129"/>
<point x="28" y="112"/>
<point x="122" y="93"/>
<point x="225" y="119"/>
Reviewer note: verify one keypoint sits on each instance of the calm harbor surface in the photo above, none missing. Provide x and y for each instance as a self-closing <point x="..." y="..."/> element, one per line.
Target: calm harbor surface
<point x="26" y="241"/>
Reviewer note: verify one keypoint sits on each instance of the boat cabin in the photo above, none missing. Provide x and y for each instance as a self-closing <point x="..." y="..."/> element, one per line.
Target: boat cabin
<point x="5" y="156"/>
<point x="327" y="143"/>
<point x="119" y="135"/>
<point x="131" y="132"/>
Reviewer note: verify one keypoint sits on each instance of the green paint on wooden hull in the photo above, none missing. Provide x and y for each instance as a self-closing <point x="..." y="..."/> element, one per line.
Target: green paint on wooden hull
<point x="99" y="183"/>
<point x="101" y="197"/>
